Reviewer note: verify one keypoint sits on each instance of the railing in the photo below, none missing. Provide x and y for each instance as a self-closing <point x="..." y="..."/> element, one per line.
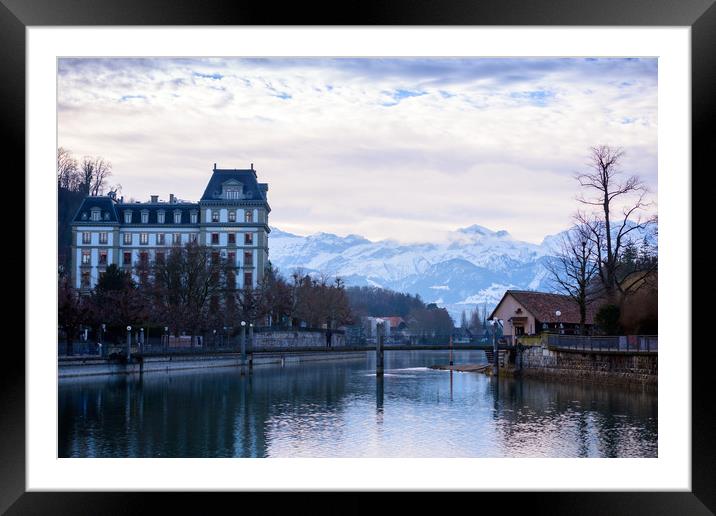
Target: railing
<point x="631" y="343"/>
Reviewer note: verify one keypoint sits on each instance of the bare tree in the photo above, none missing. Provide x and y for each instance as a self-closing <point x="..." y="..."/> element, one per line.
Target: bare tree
<point x="617" y="211"/>
<point x="575" y="268"/>
<point x="67" y="171"/>
<point x="94" y="172"/>
<point x="187" y="285"/>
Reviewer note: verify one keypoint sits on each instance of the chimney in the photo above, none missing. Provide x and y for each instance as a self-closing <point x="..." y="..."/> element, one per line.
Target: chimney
<point x="155" y="199"/>
<point x="214" y="166"/>
<point x="252" y="166"/>
<point x="171" y="198"/>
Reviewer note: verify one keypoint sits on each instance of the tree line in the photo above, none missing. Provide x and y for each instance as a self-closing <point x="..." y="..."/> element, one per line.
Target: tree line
<point x="193" y="290"/>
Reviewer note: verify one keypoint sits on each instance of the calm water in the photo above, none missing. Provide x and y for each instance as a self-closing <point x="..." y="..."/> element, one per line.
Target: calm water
<point x="339" y="409"/>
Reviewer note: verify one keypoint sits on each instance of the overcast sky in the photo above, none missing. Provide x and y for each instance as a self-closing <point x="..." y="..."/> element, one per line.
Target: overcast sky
<point x="385" y="148"/>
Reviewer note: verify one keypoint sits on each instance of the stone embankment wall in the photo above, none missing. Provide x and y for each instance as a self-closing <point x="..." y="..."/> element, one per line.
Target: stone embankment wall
<point x="604" y="366"/>
<point x="72" y="367"/>
<point x="297" y="339"/>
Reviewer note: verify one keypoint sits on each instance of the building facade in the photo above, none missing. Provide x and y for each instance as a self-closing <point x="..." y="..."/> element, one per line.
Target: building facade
<point x="231" y="216"/>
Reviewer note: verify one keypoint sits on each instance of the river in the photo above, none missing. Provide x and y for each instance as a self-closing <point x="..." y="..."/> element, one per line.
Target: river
<point x="340" y="409"/>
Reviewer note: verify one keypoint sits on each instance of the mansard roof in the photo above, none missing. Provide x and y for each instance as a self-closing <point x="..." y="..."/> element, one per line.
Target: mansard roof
<point x="153" y="209"/>
<point x="103" y="203"/>
<point x="252" y="190"/>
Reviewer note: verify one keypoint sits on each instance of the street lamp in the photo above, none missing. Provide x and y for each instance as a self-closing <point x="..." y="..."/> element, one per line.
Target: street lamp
<point x="129" y="343"/>
<point x="243" y="342"/>
<point x="559" y="314"/>
<point x="101" y="337"/>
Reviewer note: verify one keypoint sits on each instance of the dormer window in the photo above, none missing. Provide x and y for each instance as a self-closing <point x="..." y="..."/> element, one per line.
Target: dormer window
<point x="177" y="217"/>
<point x="232" y="190"/>
<point x="160" y="216"/>
<point x="96" y="214"/>
<point x="145" y="216"/>
<point x="127" y="216"/>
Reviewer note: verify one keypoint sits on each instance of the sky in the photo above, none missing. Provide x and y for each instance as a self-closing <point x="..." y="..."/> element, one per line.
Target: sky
<point x="402" y="148"/>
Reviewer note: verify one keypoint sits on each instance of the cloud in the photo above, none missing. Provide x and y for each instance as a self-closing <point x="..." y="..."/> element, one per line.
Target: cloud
<point x="381" y="147"/>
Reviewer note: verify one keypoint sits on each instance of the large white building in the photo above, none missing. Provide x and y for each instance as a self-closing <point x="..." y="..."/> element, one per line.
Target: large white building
<point x="231" y="216"/>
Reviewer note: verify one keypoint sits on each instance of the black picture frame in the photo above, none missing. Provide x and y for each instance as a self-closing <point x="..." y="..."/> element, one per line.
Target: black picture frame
<point x="700" y="15"/>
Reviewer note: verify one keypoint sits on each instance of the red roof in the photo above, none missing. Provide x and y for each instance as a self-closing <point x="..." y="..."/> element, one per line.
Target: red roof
<point x="543" y="305"/>
<point x="394" y="321"/>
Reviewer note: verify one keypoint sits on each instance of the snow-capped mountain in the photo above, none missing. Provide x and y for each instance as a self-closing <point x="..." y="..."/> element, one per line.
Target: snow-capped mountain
<point x="474" y="266"/>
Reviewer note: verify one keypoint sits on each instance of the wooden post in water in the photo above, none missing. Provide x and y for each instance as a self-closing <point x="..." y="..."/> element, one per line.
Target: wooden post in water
<point x="496" y="356"/>
<point x="379" y="349"/>
<point x="451" y="353"/>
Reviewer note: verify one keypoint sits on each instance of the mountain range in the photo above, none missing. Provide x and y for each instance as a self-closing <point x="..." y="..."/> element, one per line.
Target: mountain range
<point x="474" y="266"/>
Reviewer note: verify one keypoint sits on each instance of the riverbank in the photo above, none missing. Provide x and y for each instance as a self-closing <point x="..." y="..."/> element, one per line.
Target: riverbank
<point x="566" y="365"/>
<point x="71" y="367"/>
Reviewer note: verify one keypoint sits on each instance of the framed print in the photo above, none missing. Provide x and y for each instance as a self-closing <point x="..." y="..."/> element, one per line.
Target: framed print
<point x="412" y="250"/>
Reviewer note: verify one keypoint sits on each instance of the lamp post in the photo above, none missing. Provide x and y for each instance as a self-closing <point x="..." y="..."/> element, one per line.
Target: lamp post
<point x="129" y="344"/>
<point x="559" y="323"/>
<point x="166" y="338"/>
<point x="140" y="344"/>
<point x="243" y="345"/>
<point x="213" y="341"/>
<point x="251" y="345"/>
<point x="103" y="328"/>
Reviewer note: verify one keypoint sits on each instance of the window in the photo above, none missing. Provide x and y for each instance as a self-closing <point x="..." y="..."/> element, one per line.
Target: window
<point x="85" y="280"/>
<point x="143" y="238"/>
<point x="143" y="258"/>
<point x="160" y="238"/>
<point x="215" y="257"/>
<point x="214" y="238"/>
<point x="177" y="217"/>
<point x="232" y="238"/>
<point x="96" y="215"/>
<point x="103" y="257"/>
<point x="249" y="215"/>
<point x="231" y="257"/>
<point x="194" y="217"/>
<point x="160" y="217"/>
<point x="248" y="279"/>
<point x="248" y="238"/>
<point x="127" y="258"/>
<point x="127" y="238"/>
<point x="103" y="238"/>
<point x="86" y="238"/>
<point x="160" y="257"/>
<point x="248" y="259"/>
<point x="127" y="216"/>
<point x="176" y="239"/>
<point x="145" y="217"/>
<point x="215" y="216"/>
<point x="232" y="215"/>
<point x="86" y="258"/>
<point x="193" y="237"/>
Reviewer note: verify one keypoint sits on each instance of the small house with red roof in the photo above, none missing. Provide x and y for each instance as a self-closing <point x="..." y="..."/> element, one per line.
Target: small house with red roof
<point x="526" y="312"/>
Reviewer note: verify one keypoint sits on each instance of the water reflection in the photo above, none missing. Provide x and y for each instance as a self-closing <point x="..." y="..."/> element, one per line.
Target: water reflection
<point x="340" y="409"/>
